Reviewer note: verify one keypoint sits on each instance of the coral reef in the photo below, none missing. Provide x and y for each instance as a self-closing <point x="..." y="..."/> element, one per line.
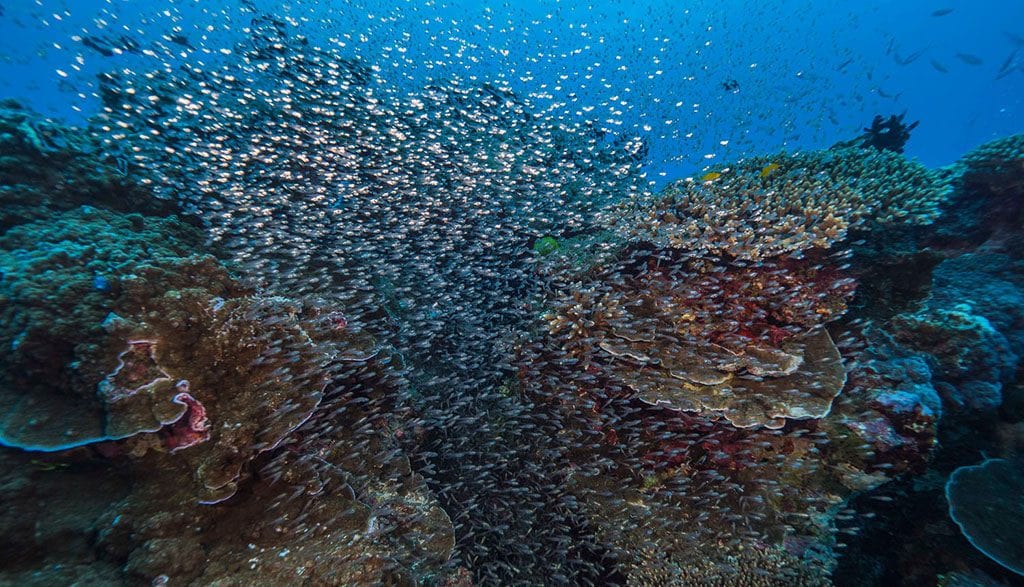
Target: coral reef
<point x="997" y="165"/>
<point x="66" y="282"/>
<point x="988" y="205"/>
<point x="755" y="567"/>
<point x="414" y="211"/>
<point x="320" y="329"/>
<point x="960" y="323"/>
<point x="971" y="358"/>
<point x="693" y="357"/>
<point x="197" y="387"/>
<point x="887" y="418"/>
<point x="250" y="431"/>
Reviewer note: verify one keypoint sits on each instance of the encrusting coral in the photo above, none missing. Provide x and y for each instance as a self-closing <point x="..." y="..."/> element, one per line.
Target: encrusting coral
<point x="66" y="283"/>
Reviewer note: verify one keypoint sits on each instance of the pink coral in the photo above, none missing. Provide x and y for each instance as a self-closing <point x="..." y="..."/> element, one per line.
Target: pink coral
<point x="192" y="428"/>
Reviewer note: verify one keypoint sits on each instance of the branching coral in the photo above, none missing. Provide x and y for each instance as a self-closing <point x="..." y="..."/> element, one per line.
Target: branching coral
<point x="998" y="164"/>
<point x="767" y="206"/>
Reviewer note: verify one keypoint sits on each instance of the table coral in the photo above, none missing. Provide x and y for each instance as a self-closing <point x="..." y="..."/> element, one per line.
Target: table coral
<point x="985" y="501"/>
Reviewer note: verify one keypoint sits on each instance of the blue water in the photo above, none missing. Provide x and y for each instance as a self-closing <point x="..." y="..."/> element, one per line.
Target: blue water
<point x="810" y="74"/>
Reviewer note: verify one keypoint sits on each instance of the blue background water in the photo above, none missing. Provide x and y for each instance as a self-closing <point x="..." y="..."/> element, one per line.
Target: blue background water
<point x="809" y="73"/>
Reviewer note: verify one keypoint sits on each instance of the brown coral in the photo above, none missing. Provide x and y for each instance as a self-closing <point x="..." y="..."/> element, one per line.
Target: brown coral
<point x="760" y="387"/>
<point x="740" y="340"/>
<point x="767" y="206"/>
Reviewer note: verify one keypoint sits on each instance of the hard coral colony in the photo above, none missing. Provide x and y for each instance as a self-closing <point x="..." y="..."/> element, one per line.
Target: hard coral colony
<point x="273" y="319"/>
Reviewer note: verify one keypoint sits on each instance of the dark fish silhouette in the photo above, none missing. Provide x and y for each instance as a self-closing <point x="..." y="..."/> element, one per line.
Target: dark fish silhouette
<point x="969" y="59"/>
<point x="1009" y="66"/>
<point x="180" y="40"/>
<point x="110" y="46"/>
<point x="909" y="58"/>
<point x="938" y="66"/>
<point x="942" y="12"/>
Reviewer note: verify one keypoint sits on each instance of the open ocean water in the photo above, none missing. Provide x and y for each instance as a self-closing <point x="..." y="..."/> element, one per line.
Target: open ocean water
<point x="511" y="293"/>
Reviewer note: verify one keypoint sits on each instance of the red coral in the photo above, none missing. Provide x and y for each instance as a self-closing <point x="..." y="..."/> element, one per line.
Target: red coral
<point x="192" y="428"/>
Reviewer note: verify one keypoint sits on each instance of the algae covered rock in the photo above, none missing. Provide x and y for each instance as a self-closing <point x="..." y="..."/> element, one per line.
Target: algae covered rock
<point x="46" y="167"/>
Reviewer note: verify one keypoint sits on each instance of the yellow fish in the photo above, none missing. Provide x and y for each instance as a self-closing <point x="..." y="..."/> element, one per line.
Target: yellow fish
<point x="769" y="169"/>
<point x="710" y="176"/>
